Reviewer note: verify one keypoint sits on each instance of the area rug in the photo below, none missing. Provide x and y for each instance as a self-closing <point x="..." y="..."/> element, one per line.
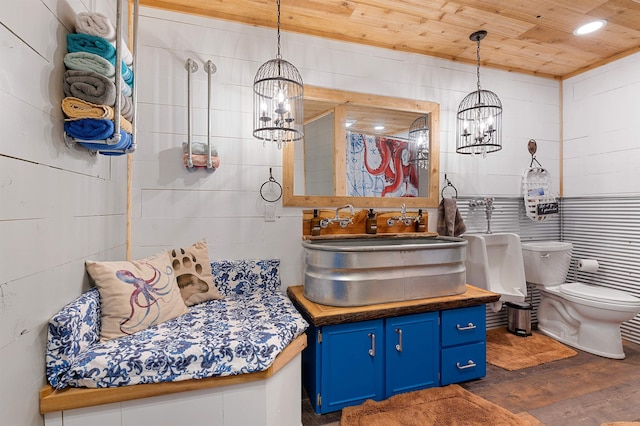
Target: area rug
<point x="450" y="405"/>
<point x="511" y="352"/>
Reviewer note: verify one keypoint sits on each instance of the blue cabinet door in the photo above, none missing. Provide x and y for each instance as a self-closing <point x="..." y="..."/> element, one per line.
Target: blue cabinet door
<point x="413" y="352"/>
<point x="352" y="366"/>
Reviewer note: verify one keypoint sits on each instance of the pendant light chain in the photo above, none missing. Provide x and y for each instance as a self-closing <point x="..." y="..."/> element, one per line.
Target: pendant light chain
<point x="478" y="58"/>
<point x="278" y="55"/>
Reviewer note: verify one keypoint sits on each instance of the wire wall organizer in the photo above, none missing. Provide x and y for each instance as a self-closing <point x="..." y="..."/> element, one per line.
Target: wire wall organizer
<point x="540" y="203"/>
<point x="118" y="142"/>
<point x="196" y="154"/>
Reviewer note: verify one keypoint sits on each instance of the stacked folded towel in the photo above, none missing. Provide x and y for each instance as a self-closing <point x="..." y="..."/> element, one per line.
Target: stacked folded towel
<point x="77" y="109"/>
<point x="199" y="155"/>
<point x="90" y="89"/>
<point x="99" y="25"/>
<point x="85" y="61"/>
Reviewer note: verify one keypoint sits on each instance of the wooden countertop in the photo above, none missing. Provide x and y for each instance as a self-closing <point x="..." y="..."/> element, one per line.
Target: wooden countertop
<point x="321" y="315"/>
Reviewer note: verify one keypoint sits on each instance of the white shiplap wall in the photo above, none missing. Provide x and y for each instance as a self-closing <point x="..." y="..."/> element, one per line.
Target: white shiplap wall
<point x="602" y="130"/>
<point x="173" y="206"/>
<point x="58" y="206"/>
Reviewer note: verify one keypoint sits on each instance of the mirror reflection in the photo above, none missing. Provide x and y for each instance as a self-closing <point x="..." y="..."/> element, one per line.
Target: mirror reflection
<point x="364" y="150"/>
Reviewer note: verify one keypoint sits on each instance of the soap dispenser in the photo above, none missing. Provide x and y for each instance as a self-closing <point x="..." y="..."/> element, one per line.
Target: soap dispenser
<point x="421" y="223"/>
<point x="372" y="222"/>
<point x="315" y="223"/>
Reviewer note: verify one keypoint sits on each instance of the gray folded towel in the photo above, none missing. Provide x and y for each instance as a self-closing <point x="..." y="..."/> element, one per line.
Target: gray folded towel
<point x="95" y="88"/>
<point x="199" y="148"/>
<point x="450" y="222"/>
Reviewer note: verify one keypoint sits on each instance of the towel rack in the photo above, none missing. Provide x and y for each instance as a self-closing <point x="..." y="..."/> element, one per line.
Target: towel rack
<point x="191" y="67"/>
<point x="115" y="138"/>
<point x="448" y="185"/>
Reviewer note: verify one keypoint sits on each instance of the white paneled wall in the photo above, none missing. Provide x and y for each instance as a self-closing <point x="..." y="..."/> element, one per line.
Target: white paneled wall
<point x="602" y="130"/>
<point x="174" y="206"/>
<point x="58" y="206"/>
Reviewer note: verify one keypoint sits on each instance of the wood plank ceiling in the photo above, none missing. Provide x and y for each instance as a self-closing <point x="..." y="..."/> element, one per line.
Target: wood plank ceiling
<point x="527" y="36"/>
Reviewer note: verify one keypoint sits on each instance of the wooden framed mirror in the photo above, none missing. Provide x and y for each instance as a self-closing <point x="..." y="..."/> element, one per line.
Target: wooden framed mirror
<point x="330" y="110"/>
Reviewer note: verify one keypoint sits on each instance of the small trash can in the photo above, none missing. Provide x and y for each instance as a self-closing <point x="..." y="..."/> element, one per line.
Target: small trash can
<point x="519" y="318"/>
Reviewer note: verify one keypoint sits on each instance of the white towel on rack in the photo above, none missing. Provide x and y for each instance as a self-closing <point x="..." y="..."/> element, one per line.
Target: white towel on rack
<point x="199" y="148"/>
<point x="97" y="24"/>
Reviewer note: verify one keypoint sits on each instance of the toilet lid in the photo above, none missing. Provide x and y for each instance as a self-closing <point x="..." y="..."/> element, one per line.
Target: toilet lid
<point x="603" y="294"/>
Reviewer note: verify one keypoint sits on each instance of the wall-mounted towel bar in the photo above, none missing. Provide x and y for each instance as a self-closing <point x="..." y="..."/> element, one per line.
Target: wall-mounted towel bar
<point x="198" y="154"/>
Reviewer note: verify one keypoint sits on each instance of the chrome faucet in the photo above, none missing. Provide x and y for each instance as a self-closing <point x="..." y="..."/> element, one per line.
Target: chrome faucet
<point x="487" y="202"/>
<point x="488" y="209"/>
<point x="403" y="217"/>
<point x="344" y="222"/>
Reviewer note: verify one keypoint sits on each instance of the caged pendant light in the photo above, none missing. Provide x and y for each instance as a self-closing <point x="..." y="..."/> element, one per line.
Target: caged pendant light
<point x="419" y="138"/>
<point x="479" y="116"/>
<point x="278" y="100"/>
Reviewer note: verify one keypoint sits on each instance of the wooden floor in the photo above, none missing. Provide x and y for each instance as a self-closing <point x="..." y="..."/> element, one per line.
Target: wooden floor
<point x="582" y="390"/>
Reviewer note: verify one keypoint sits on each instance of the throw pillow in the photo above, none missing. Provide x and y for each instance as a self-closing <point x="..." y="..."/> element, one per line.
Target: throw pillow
<point x="135" y="295"/>
<point x="193" y="273"/>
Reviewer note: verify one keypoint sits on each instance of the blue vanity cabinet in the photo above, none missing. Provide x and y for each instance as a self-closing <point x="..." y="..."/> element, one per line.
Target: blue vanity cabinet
<point x="412" y="353"/>
<point x="348" y="364"/>
<point x="464" y="349"/>
<point x="377" y="351"/>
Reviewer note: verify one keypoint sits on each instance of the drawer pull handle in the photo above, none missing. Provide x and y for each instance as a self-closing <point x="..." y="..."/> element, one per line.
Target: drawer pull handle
<point x="372" y="351"/>
<point x="470" y="364"/>
<point x="469" y="326"/>
<point x="399" y="345"/>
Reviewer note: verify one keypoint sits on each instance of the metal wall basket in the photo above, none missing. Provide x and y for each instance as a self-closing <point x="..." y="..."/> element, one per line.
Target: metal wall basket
<point x="539" y="201"/>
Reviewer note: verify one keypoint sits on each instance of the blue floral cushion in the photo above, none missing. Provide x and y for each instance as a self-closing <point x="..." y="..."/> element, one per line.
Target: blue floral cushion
<point x="241" y="333"/>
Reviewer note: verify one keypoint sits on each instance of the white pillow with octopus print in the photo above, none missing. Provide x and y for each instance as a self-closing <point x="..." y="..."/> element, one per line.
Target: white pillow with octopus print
<point x="135" y="295"/>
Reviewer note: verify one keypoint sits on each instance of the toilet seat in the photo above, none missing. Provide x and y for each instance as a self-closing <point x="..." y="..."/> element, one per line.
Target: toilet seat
<point x="599" y="294"/>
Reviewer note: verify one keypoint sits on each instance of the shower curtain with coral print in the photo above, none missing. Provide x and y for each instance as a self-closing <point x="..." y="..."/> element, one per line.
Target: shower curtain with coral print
<point x="380" y="166"/>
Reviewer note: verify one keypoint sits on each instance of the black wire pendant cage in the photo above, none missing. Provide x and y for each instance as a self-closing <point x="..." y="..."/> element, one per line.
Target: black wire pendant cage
<point x="278" y="103"/>
<point x="479" y="123"/>
<point x="419" y="138"/>
<point x="479" y="117"/>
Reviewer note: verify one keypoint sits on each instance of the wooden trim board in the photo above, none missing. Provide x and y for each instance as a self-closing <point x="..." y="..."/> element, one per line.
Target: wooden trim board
<point x="70" y="398"/>
<point x="321" y="315"/>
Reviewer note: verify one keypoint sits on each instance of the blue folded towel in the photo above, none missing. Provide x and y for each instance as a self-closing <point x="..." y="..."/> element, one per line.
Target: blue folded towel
<point x="88" y="129"/>
<point x="113" y="150"/>
<point x="99" y="46"/>
<point x="91" y="129"/>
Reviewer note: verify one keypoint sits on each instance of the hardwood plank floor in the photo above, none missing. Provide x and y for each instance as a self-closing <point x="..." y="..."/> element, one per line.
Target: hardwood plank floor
<point x="582" y="390"/>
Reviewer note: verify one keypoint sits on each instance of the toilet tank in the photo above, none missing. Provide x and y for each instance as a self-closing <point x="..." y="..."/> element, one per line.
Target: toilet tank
<point x="546" y="262"/>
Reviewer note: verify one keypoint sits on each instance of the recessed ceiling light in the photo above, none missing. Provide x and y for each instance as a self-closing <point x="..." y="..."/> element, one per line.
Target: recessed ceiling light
<point x="349" y="123"/>
<point x="379" y="128"/>
<point x="590" y="27"/>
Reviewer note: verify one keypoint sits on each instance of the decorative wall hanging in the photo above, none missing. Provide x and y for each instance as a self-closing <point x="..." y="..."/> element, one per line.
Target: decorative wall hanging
<point x="540" y="202"/>
<point x="379" y="166"/>
<point x="479" y="129"/>
<point x="100" y="102"/>
<point x="278" y="97"/>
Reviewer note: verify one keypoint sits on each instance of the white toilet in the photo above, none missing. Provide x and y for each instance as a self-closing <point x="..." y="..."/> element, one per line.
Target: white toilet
<point x="494" y="262"/>
<point x="586" y="317"/>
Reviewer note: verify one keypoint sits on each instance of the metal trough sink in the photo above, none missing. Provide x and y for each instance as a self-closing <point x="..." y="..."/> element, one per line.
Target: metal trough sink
<point x="355" y="272"/>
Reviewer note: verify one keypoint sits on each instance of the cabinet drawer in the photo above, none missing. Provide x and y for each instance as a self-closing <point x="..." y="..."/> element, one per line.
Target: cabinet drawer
<point x="462" y="363"/>
<point x="464" y="325"/>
